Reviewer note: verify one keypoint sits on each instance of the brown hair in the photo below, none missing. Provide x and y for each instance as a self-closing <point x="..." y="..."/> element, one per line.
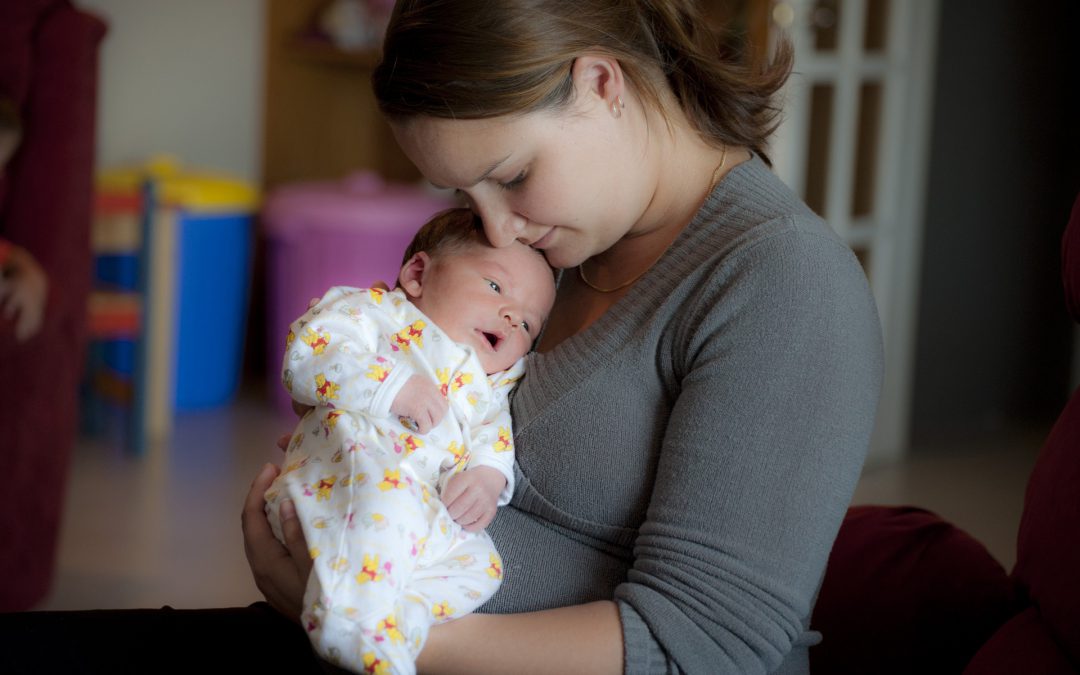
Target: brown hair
<point x="477" y="59"/>
<point x="447" y="231"/>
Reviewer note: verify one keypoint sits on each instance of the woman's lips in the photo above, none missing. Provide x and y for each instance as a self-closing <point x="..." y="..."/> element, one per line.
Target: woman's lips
<point x="543" y="241"/>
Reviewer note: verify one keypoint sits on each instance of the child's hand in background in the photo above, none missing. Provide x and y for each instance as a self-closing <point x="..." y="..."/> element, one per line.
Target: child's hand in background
<point x="24" y="289"/>
<point x="472" y="497"/>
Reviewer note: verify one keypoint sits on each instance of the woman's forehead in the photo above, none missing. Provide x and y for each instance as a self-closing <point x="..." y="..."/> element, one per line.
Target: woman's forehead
<point x="460" y="153"/>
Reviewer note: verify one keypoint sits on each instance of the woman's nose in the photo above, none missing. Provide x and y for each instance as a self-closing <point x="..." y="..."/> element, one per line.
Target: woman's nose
<point x="501" y="225"/>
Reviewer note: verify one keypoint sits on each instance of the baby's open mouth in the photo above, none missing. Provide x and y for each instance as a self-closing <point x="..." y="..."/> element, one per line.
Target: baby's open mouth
<point x="492" y="338"/>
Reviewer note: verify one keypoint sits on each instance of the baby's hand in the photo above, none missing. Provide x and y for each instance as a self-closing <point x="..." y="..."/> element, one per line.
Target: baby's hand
<point x="472" y="497"/>
<point x="421" y="401"/>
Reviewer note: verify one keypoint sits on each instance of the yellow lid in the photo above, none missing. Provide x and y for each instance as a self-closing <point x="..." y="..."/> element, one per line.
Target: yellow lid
<point x="204" y="192"/>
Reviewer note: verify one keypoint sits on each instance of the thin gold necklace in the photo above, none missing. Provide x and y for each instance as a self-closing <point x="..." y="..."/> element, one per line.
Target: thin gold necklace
<point x="581" y="267"/>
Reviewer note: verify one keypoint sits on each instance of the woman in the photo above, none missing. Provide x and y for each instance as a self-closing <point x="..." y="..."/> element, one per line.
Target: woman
<point x="692" y="425"/>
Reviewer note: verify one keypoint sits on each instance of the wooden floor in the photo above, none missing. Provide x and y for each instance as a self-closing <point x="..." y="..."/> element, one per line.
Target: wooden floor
<point x="165" y="529"/>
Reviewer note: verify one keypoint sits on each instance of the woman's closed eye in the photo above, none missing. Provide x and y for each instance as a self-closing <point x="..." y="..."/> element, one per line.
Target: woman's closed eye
<point x="515" y="183"/>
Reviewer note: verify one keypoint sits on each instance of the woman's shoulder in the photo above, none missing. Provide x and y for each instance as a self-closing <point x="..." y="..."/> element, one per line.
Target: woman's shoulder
<point x="752" y="204"/>
<point x="753" y="226"/>
<point x="757" y="249"/>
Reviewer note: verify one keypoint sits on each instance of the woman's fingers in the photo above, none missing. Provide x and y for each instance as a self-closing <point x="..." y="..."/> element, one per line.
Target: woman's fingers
<point x="272" y="565"/>
<point x="256" y="529"/>
<point x="253" y="519"/>
<point x="301" y="409"/>
<point x="294" y="538"/>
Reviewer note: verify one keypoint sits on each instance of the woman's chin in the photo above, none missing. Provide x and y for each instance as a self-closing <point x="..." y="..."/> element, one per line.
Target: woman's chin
<point x="561" y="260"/>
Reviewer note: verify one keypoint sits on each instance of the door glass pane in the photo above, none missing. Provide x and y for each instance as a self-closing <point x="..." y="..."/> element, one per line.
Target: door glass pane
<point x="825" y="24"/>
<point x="867" y="141"/>
<point x="877" y="19"/>
<point x="817" y="152"/>
<point x="863" y="256"/>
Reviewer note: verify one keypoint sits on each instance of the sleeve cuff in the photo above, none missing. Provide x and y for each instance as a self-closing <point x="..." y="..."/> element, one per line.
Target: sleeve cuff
<point x="389" y="389"/>
<point x="642" y="655"/>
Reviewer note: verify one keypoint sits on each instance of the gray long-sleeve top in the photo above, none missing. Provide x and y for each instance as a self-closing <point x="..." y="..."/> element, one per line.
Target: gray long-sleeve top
<point x="692" y="453"/>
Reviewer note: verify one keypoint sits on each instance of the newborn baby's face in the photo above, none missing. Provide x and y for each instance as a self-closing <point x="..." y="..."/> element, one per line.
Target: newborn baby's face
<point x="492" y="299"/>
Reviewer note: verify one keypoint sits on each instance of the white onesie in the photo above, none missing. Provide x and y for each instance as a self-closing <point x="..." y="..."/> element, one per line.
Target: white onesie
<point x="389" y="561"/>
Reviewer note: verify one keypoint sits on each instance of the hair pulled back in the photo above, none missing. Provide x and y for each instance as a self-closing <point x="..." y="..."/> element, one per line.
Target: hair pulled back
<point x="487" y="58"/>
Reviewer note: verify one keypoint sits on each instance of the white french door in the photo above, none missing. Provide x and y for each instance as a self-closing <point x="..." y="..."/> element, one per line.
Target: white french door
<point x="854" y="144"/>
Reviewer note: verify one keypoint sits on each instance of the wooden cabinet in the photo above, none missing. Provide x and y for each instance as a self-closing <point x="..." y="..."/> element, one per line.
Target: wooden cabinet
<point x="320" y="119"/>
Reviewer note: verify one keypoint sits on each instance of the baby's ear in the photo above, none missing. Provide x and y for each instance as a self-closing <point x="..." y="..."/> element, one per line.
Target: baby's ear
<point x="411" y="278"/>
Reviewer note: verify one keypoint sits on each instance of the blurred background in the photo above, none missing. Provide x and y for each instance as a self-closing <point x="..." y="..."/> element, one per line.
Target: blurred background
<point x="235" y="166"/>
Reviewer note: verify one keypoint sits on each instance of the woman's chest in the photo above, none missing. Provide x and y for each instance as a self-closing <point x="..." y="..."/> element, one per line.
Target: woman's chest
<point x="576" y="308"/>
<point x="591" y="451"/>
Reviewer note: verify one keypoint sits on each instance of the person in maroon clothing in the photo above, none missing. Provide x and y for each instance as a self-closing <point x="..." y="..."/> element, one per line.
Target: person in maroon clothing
<point x="24" y="286"/>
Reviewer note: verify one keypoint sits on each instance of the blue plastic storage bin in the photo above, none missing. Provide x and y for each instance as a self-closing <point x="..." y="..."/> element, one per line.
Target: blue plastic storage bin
<point x="214" y="273"/>
<point x="206" y="221"/>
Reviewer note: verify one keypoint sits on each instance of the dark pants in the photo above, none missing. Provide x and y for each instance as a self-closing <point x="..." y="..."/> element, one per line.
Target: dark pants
<point x="239" y="640"/>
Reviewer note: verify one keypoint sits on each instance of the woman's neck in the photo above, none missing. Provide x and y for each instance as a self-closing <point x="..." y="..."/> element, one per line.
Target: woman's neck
<point x="685" y="170"/>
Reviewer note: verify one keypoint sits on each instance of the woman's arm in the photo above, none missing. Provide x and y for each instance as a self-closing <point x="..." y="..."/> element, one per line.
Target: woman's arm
<point x="580" y="639"/>
<point x="779" y="366"/>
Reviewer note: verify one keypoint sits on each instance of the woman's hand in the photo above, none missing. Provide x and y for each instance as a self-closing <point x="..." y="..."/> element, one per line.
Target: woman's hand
<point x="280" y="572"/>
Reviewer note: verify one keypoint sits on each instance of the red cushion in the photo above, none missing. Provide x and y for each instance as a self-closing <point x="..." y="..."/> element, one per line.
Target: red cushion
<point x="1048" y="547"/>
<point x="906" y="592"/>
<point x="1023" y="645"/>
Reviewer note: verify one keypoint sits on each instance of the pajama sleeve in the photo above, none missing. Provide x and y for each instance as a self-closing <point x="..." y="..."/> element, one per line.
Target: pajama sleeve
<point x="492" y="440"/>
<point x="332" y="359"/>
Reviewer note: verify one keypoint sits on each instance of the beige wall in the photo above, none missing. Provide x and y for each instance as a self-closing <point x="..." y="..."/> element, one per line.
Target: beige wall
<point x="184" y="78"/>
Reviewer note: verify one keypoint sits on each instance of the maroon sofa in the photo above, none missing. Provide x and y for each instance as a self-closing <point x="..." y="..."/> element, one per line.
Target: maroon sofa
<point x="907" y="592"/>
<point x="48" y="65"/>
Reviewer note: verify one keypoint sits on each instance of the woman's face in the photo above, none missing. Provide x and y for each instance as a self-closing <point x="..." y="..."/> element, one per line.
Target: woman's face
<point x="570" y="183"/>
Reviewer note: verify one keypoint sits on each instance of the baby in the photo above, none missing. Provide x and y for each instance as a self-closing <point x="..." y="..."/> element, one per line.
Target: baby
<point x="409" y="450"/>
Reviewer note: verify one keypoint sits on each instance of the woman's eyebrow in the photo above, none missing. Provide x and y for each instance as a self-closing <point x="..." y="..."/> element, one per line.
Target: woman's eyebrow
<point x="484" y="175"/>
<point x="489" y="170"/>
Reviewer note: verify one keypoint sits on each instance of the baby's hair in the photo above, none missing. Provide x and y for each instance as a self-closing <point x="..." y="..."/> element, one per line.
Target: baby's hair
<point x="448" y="231"/>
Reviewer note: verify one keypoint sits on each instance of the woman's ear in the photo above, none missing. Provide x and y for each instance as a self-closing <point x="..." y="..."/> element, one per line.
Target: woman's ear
<point x="411" y="278"/>
<point x="600" y="78"/>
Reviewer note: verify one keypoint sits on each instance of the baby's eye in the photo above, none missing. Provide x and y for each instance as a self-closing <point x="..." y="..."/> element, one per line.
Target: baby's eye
<point x="494" y="286"/>
<point x="525" y="325"/>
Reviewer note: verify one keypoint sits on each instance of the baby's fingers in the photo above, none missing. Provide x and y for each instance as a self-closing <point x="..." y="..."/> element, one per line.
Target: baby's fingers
<point x="472" y="519"/>
<point x="438" y="411"/>
<point x="467" y="508"/>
